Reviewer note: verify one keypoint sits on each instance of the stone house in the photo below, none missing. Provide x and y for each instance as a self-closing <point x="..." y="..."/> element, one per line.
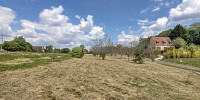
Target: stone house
<point x="160" y="43"/>
<point x="39" y="48"/>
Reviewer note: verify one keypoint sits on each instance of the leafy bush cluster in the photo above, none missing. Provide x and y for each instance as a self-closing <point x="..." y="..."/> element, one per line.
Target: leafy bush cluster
<point x="77" y="52"/>
<point x="18" y="44"/>
<point x="192" y="51"/>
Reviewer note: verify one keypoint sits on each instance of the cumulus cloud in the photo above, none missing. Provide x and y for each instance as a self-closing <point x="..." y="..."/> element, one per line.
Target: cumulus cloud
<point x="7" y="17"/>
<point x="157" y="27"/>
<point x="187" y="10"/>
<point x="124" y="38"/>
<point x="54" y="28"/>
<point x="53" y="16"/>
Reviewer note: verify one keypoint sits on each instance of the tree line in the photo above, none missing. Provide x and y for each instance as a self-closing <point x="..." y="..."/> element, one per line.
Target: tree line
<point x="20" y="44"/>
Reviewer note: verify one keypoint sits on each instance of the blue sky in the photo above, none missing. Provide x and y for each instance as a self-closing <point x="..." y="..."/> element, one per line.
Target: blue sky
<point x="69" y="23"/>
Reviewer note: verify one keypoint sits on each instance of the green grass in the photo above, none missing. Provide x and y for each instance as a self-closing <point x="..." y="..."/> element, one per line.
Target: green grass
<point x="185" y="61"/>
<point x="35" y="57"/>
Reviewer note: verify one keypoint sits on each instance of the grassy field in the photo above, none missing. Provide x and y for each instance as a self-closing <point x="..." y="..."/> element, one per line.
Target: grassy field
<point x="90" y="78"/>
<point x="186" y="61"/>
<point x="21" y="60"/>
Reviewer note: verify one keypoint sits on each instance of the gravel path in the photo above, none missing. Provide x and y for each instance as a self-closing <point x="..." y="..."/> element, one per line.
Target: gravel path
<point x="178" y="65"/>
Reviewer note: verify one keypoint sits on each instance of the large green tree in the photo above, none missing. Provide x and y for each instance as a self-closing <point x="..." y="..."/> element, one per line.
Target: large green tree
<point x="18" y="44"/>
<point x="178" y="31"/>
<point x="49" y="48"/>
<point x="165" y="33"/>
<point x="196" y="30"/>
<point x="65" y="50"/>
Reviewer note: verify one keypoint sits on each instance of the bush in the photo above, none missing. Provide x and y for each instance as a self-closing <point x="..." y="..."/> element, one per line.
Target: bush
<point x="178" y="42"/>
<point x="65" y="50"/>
<point x="139" y="54"/>
<point x="174" y="53"/>
<point x="18" y="44"/>
<point x="168" y="54"/>
<point x="183" y="52"/>
<point x="196" y="54"/>
<point x="77" y="52"/>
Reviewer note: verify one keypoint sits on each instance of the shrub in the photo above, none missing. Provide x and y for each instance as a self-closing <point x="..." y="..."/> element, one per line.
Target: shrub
<point x="65" y="50"/>
<point x="174" y="53"/>
<point x="196" y="54"/>
<point x="77" y="52"/>
<point x="139" y="55"/>
<point x="178" y="53"/>
<point x="185" y="54"/>
<point x="168" y="54"/>
<point x="178" y="42"/>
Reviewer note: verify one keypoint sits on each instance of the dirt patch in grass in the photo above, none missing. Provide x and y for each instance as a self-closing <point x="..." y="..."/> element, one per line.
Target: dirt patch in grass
<point x="17" y="61"/>
<point x="45" y="58"/>
<point x="92" y="79"/>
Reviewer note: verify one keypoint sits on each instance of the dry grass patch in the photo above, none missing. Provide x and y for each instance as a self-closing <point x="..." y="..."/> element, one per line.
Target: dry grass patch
<point x="93" y="79"/>
<point x="17" y="61"/>
<point x="45" y="58"/>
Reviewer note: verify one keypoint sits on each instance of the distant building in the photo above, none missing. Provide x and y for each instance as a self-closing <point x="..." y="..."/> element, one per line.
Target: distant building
<point x="39" y="48"/>
<point x="160" y="43"/>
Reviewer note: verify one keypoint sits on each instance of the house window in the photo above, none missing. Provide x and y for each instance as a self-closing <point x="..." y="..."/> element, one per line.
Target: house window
<point x="164" y="42"/>
<point x="165" y="48"/>
<point x="158" y="48"/>
<point x="157" y="42"/>
<point x="154" y="48"/>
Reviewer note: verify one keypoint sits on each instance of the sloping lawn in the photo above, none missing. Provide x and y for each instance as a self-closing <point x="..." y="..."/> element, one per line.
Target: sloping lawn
<point x="185" y="61"/>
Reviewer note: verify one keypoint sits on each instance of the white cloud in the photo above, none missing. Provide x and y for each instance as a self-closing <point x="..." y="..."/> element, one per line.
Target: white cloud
<point x="158" y="0"/>
<point x="124" y="38"/>
<point x="86" y="25"/>
<point x="144" y="11"/>
<point x="144" y="22"/>
<point x="7" y="17"/>
<point x="156" y="9"/>
<point x="54" y="28"/>
<point x="159" y="25"/>
<point x="165" y="4"/>
<point x="187" y="10"/>
<point x="53" y="16"/>
<point x="78" y="17"/>
<point x="96" y="32"/>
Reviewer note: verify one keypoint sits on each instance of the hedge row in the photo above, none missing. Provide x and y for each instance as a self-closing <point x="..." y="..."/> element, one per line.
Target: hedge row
<point x="183" y="52"/>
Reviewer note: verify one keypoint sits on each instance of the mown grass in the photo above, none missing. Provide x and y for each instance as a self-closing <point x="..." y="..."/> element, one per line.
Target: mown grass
<point x="35" y="57"/>
<point x="185" y="61"/>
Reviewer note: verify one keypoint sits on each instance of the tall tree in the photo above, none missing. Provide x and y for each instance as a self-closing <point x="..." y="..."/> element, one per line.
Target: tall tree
<point x="49" y="48"/>
<point x="178" y="31"/>
<point x="165" y="33"/>
<point x="82" y="46"/>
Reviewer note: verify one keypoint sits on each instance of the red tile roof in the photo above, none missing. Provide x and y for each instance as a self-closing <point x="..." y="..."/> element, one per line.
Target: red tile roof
<point x="162" y="41"/>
